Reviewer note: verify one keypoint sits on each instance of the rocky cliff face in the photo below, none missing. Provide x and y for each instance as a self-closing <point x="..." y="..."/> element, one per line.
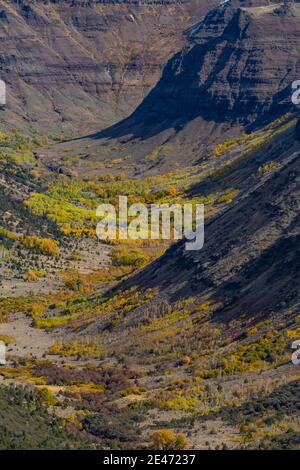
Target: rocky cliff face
<point x="83" y="65"/>
<point x="235" y="73"/>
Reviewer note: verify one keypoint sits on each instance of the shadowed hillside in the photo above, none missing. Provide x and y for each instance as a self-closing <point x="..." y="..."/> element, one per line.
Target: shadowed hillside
<point x="250" y="259"/>
<point x="234" y="75"/>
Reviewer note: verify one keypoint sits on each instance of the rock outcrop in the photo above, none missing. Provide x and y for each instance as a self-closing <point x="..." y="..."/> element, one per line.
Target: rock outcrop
<point x="79" y="66"/>
<point x="235" y="74"/>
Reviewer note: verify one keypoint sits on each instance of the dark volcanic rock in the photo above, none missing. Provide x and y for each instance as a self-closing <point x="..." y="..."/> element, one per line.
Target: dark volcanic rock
<point x="83" y="65"/>
<point x="235" y="73"/>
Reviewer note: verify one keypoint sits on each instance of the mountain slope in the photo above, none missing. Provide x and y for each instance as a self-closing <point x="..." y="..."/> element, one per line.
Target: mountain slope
<point x="84" y="65"/>
<point x="250" y="259"/>
<point x="234" y="75"/>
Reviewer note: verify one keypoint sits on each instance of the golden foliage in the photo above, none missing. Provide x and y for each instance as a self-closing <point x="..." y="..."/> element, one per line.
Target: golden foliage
<point x="164" y="439"/>
<point x="46" y="246"/>
<point x="78" y="348"/>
